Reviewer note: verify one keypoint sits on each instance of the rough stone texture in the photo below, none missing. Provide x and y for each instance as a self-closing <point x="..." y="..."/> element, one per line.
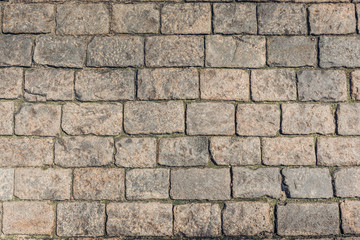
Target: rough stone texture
<point x="174" y="51"/>
<point x="168" y="83"/>
<point x="247" y="218"/>
<point x="147" y="184"/>
<point x="288" y="151"/>
<point x="262" y="182"/>
<point x="15" y="50"/>
<point x="320" y="85"/>
<point x="92" y="118"/>
<point x="11" y="82"/>
<point x="197" y="183"/>
<point x="308" y="219"/>
<point x="6" y="118"/>
<point x="6" y="184"/>
<point x="235" y="151"/>
<point x="197" y="220"/>
<point x="224" y="84"/>
<point x="99" y="183"/>
<point x="349" y="119"/>
<point x="184" y="151"/>
<point x="294" y="51"/>
<point x="282" y="18"/>
<point x="307" y="119"/>
<point x="190" y="18"/>
<point x="347" y="182"/>
<point x="38" y="184"/>
<point x="273" y="85"/>
<point x="257" y="120"/>
<point x="38" y="120"/>
<point x="350" y="211"/>
<point x="135" y="152"/>
<point x="83" y="151"/>
<point x="235" y="51"/>
<point x="80" y="219"/>
<point x="355" y="85"/>
<point x="139" y="219"/>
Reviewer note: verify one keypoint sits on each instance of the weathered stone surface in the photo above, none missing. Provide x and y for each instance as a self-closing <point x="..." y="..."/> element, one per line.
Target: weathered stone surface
<point x="147" y="183"/>
<point x="23" y="218"/>
<point x="224" y="84"/>
<point x="83" y="151"/>
<point x="235" y="151"/>
<point x="174" y="51"/>
<point x="116" y="51"/>
<point x="197" y="220"/>
<point x="6" y="184"/>
<point x="320" y="85"/>
<point x="190" y="18"/>
<point x="108" y="85"/>
<point x="15" y="50"/>
<point x="294" y="51"/>
<point x="99" y="183"/>
<point x="80" y="219"/>
<point x="235" y="51"/>
<point x="168" y="83"/>
<point x="38" y="184"/>
<point x="355" y="85"/>
<point x="80" y="18"/>
<point x="273" y="85"/>
<point x="308" y="219"/>
<point x="347" y="182"/>
<point x="49" y="84"/>
<point x="231" y="18"/>
<point x="197" y="183"/>
<point x="288" y="151"/>
<point x="135" y="18"/>
<point x="92" y="118"/>
<point x="307" y="119"/>
<point x="257" y="120"/>
<point x="349" y="119"/>
<point x="38" y="119"/>
<point x="247" y="218"/>
<point x="139" y="219"/>
<point x="332" y="18"/>
<point x="6" y="118"/>
<point x="135" y="152"/>
<point x="11" y="82"/>
<point x="152" y="117"/>
<point x="350" y="211"/>
<point x="29" y="18"/>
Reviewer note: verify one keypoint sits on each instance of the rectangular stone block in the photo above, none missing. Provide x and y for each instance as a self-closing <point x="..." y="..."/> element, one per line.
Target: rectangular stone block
<point x="6" y="118"/>
<point x="349" y="119"/>
<point x="355" y="85"/>
<point x="15" y="50"/>
<point x="6" y="184"/>
<point x="11" y="82"/>
<point x="350" y="211"/>
<point x="347" y="182"/>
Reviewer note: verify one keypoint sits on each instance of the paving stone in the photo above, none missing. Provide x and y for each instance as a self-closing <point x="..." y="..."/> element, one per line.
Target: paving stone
<point x="111" y="85"/>
<point x="154" y="118"/>
<point x="6" y="184"/>
<point x="210" y="118"/>
<point x="174" y="51"/>
<point x="83" y="151"/>
<point x="231" y="18"/>
<point x="235" y="51"/>
<point x="135" y="152"/>
<point x="92" y="118"/>
<point x="308" y="219"/>
<point x="11" y="82"/>
<point x="296" y="51"/>
<point x="80" y="18"/>
<point x="349" y="119"/>
<point x="38" y="119"/>
<point x="139" y="219"/>
<point x="321" y="85"/>
<point x="147" y="183"/>
<point x="29" y="18"/>
<point x="235" y="151"/>
<point x="347" y="182"/>
<point x="273" y="85"/>
<point x="49" y="85"/>
<point x="247" y="218"/>
<point x="307" y="119"/>
<point x="197" y="220"/>
<point x="350" y="211"/>
<point x="15" y="50"/>
<point x="190" y="18"/>
<point x="183" y="151"/>
<point x="168" y="83"/>
<point x="332" y="18"/>
<point x="80" y="219"/>
<point x="224" y="84"/>
<point x="38" y="184"/>
<point x="292" y="151"/>
<point x="23" y="218"/>
<point x="99" y="183"/>
<point x="198" y="183"/>
<point x="257" y="120"/>
<point x="6" y="118"/>
<point x="355" y="85"/>
<point x="116" y="51"/>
